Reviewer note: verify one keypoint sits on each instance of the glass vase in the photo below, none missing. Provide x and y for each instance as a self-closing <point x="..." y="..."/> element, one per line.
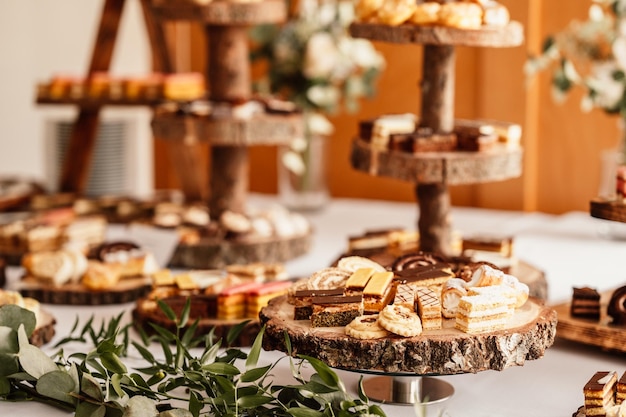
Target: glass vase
<point x="306" y="190"/>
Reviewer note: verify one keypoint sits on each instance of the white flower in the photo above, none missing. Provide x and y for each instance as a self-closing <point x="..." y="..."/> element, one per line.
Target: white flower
<point x="321" y="56"/>
<point x="608" y="91"/>
<point x="325" y="96"/>
<point x="298" y="144"/>
<point x="364" y="55"/>
<point x="619" y="52"/>
<point x="293" y="162"/>
<point x="318" y="124"/>
<point x="596" y="13"/>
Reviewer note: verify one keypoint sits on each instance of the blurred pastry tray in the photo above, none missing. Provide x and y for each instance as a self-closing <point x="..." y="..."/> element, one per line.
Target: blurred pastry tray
<point x="599" y="333"/>
<point x="125" y="291"/>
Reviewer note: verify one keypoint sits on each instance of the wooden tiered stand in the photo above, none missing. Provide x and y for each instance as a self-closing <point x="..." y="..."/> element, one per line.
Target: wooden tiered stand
<point x="433" y="172"/>
<point x="229" y="82"/>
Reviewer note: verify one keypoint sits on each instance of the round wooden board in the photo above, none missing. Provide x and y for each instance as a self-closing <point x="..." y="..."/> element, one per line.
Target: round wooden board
<point x="222" y="12"/>
<point x="452" y="168"/>
<point x="436" y="352"/>
<point x="220" y="328"/>
<point x="487" y="36"/>
<point x="599" y="333"/>
<point x="218" y="253"/>
<point x="266" y="129"/>
<point x="44" y="332"/>
<point x="125" y="291"/>
<point x="608" y="210"/>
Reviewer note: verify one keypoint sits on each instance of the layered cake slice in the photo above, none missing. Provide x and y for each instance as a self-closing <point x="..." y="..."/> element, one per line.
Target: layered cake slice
<point x="405" y="296"/>
<point x="428" y="307"/>
<point x="302" y="300"/>
<point x="358" y="280"/>
<point x="336" y="310"/>
<point x="258" y="297"/>
<point x="378" y="292"/>
<point x="482" y="313"/>
<point x="425" y="276"/>
<point x="600" y="393"/>
<point x="585" y="303"/>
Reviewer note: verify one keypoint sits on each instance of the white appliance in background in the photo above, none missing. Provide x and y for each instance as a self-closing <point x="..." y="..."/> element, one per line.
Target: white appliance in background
<point x="120" y="164"/>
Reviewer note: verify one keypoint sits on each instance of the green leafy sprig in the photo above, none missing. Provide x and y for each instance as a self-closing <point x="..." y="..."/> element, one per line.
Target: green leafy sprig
<point x="195" y="376"/>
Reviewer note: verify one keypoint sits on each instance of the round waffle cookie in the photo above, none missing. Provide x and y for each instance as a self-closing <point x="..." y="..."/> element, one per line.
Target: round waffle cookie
<point x="366" y="327"/>
<point x="400" y="320"/>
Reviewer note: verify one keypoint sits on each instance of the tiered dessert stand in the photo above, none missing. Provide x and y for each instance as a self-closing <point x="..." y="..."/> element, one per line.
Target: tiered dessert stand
<point x="433" y="172"/>
<point x="447" y="351"/>
<point x="229" y="82"/>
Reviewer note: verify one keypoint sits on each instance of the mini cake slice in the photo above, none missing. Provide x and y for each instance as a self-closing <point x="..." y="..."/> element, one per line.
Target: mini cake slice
<point x="333" y="311"/>
<point x="585" y="303"/>
<point x="378" y="292"/>
<point x="405" y="296"/>
<point x="257" y="298"/>
<point x="231" y="301"/>
<point x="358" y="280"/>
<point x="303" y="301"/>
<point x="600" y="393"/>
<point x="428" y="307"/>
<point x="482" y="313"/>
<point x="425" y="276"/>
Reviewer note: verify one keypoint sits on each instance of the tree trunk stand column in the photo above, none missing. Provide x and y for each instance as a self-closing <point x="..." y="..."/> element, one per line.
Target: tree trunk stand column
<point x="229" y="80"/>
<point x="438" y="114"/>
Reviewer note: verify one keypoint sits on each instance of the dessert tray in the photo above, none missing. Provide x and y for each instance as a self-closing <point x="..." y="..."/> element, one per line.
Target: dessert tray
<point x="446" y="351"/>
<point x="608" y="209"/>
<point x="599" y="333"/>
<point x="142" y="319"/>
<point x="125" y="291"/>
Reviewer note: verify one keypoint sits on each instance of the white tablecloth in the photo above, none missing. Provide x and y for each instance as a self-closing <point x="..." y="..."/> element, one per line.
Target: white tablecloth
<point x="570" y="248"/>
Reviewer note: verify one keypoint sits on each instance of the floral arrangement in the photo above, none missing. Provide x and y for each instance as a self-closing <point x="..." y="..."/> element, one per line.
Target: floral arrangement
<point x="315" y="63"/>
<point x="590" y="54"/>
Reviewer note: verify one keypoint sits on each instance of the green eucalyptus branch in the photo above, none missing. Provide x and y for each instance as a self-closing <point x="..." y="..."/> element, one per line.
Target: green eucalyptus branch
<point x="214" y="382"/>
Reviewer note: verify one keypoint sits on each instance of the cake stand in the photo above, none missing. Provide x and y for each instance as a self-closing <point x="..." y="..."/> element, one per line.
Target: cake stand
<point x="433" y="172"/>
<point x="405" y="362"/>
<point x="229" y="136"/>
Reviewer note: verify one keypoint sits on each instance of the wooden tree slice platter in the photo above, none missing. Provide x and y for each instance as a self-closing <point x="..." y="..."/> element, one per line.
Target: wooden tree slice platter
<point x="44" y="332"/>
<point x="440" y="352"/>
<point x="217" y="253"/>
<point x="488" y="36"/>
<point x="220" y="328"/>
<point x="98" y="102"/>
<point x="595" y="333"/>
<point x="126" y="291"/>
<point x="608" y="210"/>
<point x="452" y="168"/>
<point x="222" y="12"/>
<point x="267" y="129"/>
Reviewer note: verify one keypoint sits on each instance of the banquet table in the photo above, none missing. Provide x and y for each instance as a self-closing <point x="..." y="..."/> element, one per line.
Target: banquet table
<point x="573" y="249"/>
